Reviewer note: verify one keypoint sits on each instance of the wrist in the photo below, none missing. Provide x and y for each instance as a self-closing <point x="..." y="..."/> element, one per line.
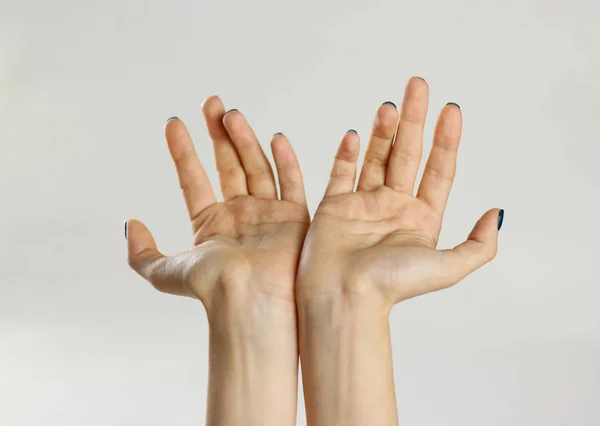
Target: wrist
<point x="242" y="307"/>
<point x="346" y="361"/>
<point x="339" y="311"/>
<point x="253" y="360"/>
<point x="340" y="297"/>
<point x="268" y="327"/>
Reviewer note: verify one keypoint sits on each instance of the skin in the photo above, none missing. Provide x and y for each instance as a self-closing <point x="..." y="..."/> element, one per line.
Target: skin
<point x="242" y="266"/>
<point x="264" y="291"/>
<point x="369" y="249"/>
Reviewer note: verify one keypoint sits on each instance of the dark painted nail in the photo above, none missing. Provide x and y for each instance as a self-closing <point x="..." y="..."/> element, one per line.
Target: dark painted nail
<point x="125" y="229"/>
<point x="278" y="133"/>
<point x="231" y="110"/>
<point x="172" y="118"/>
<point x="500" y="218"/>
<point x="352" y="131"/>
<point x="390" y="103"/>
<point x="452" y="103"/>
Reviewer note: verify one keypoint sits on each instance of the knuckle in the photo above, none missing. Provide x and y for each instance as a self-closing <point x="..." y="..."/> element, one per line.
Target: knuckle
<point x="439" y="175"/>
<point x="376" y="161"/>
<point x="491" y="252"/>
<point x="226" y="173"/>
<point x="384" y="128"/>
<point x="412" y="117"/>
<point x="401" y="155"/>
<point x="261" y="172"/>
<point x="289" y="183"/>
<point x="341" y="174"/>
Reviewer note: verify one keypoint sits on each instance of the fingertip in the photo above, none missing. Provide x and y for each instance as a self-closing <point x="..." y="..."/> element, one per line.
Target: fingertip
<point x="485" y="232"/>
<point x="417" y="83"/>
<point x="288" y="170"/>
<point x="387" y="116"/>
<point x="416" y="99"/>
<point x="132" y="222"/>
<point x="352" y="137"/>
<point x="231" y="112"/>
<point x="448" y="128"/>
<point x="486" y="227"/>
<point x="171" y="121"/>
<point x="142" y="252"/>
<point x="139" y="238"/>
<point x="279" y="144"/>
<point x="212" y="103"/>
<point x="173" y="127"/>
<point x="233" y="117"/>
<point x="214" y="111"/>
<point x="130" y="229"/>
<point x="278" y="138"/>
<point x="479" y="248"/>
<point x="349" y="148"/>
<point x="451" y="114"/>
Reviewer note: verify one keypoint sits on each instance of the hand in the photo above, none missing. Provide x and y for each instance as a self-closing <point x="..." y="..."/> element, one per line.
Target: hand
<point x="244" y="247"/>
<point x="370" y="248"/>
<point x="380" y="240"/>
<point x="242" y="266"/>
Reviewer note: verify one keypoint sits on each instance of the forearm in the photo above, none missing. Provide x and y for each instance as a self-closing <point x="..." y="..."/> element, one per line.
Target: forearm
<point x="253" y="367"/>
<point x="346" y="362"/>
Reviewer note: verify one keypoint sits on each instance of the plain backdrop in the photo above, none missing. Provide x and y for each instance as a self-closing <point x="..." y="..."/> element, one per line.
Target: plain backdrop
<point x="85" y="89"/>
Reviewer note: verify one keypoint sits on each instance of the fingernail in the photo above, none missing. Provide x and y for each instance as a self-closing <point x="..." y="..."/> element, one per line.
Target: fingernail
<point x="352" y="131"/>
<point x="452" y="103"/>
<point x="172" y="118"/>
<point x="278" y="133"/>
<point x="231" y="110"/>
<point x="416" y="76"/>
<point x="125" y="229"/>
<point x="500" y="218"/>
<point x="390" y="103"/>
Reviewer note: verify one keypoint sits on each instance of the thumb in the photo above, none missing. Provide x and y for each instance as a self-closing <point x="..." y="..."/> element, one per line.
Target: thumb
<point x="145" y="259"/>
<point x="480" y="247"/>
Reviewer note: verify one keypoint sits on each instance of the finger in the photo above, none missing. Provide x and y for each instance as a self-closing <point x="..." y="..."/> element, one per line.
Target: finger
<point x="259" y="174"/>
<point x="375" y="164"/>
<point x="288" y="170"/>
<point x="232" y="177"/>
<point x="193" y="180"/>
<point x="145" y="259"/>
<point x="343" y="173"/>
<point x="405" y="156"/>
<point x="480" y="248"/>
<point x="441" y="166"/>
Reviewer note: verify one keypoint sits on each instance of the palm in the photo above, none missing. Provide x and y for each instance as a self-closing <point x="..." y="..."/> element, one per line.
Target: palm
<point x="249" y="243"/>
<point x="393" y="236"/>
<point x="383" y="217"/>
<point x="261" y="238"/>
<point x="383" y="236"/>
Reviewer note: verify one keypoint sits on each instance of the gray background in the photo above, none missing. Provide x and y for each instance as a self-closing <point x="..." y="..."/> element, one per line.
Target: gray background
<point x="85" y="89"/>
